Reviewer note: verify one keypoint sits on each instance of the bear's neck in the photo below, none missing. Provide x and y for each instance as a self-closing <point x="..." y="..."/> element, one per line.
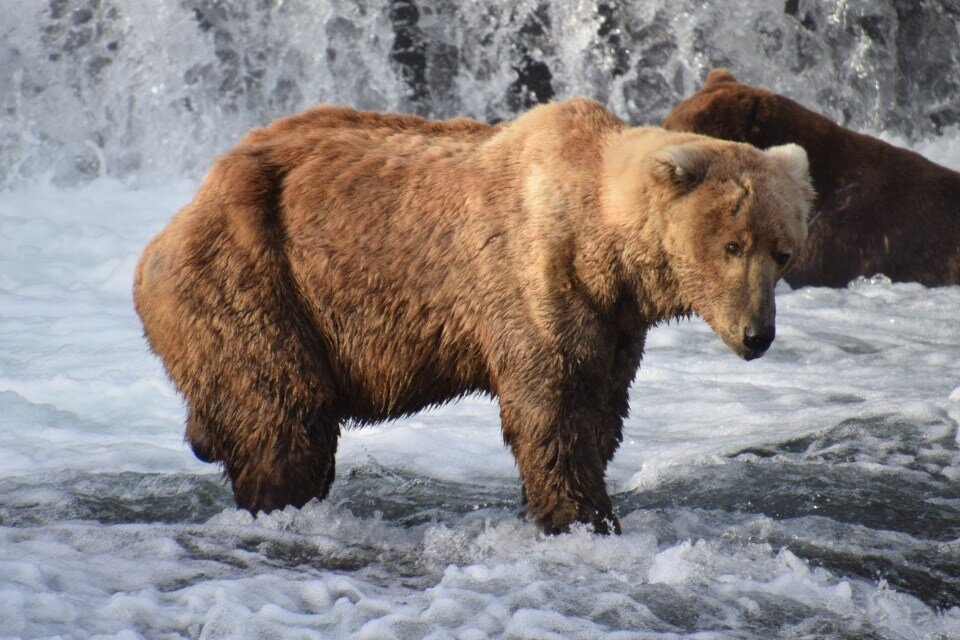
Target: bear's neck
<point x="647" y="280"/>
<point x="630" y="205"/>
<point x="559" y="216"/>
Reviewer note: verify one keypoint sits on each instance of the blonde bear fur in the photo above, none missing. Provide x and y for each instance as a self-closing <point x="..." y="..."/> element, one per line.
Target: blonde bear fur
<point x="341" y="266"/>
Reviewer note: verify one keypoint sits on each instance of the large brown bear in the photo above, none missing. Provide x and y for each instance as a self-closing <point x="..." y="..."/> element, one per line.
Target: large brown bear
<point x="880" y="208"/>
<point x="341" y="266"/>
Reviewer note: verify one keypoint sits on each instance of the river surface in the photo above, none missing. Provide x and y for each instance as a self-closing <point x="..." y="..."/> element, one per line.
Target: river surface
<point x="814" y="493"/>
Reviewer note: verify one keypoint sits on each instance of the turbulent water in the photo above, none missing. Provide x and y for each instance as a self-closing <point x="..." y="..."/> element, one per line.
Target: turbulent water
<point x="814" y="493"/>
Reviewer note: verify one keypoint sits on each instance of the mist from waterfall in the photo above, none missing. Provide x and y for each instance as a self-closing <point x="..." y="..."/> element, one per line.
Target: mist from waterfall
<point x="146" y="91"/>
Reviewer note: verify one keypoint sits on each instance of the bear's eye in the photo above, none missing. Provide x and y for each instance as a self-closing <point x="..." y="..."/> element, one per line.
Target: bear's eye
<point x="734" y="249"/>
<point x="782" y="259"/>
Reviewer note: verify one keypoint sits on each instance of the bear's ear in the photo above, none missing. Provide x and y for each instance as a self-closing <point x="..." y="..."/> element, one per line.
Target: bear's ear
<point x="792" y="158"/>
<point x="682" y="166"/>
<point x="719" y="75"/>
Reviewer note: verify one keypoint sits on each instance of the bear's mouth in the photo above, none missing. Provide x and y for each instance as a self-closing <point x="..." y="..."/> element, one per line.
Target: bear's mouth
<point x="730" y="340"/>
<point x="742" y="350"/>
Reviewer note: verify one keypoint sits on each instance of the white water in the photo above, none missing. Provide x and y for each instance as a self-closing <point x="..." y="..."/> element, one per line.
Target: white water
<point x="812" y="493"/>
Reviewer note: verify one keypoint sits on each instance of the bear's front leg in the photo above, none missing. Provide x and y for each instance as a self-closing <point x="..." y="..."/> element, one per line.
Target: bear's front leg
<point x="561" y="464"/>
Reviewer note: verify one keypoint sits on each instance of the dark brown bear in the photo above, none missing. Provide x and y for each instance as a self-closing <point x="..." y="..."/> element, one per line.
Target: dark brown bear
<point x="340" y="266"/>
<point x="880" y="208"/>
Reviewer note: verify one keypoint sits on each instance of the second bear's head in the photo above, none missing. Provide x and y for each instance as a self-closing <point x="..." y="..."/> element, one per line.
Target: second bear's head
<point x="719" y="221"/>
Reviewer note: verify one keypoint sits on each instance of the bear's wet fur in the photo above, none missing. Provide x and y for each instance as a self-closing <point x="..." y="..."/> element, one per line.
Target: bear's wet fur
<point x="880" y="208"/>
<point x="350" y="267"/>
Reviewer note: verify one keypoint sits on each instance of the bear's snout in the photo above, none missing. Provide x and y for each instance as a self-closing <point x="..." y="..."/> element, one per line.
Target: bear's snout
<point x="757" y="339"/>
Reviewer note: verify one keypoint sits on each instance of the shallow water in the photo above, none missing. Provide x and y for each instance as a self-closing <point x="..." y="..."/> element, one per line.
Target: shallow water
<point x="814" y="493"/>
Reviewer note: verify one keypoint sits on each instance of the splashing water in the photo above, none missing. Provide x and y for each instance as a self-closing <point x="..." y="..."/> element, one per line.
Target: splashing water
<point x="814" y="493"/>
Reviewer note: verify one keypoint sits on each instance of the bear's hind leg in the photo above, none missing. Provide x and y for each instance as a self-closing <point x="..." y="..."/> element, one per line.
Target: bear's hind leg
<point x="265" y="415"/>
<point x="221" y="307"/>
<point x="268" y="422"/>
<point x="199" y="440"/>
<point x="285" y="466"/>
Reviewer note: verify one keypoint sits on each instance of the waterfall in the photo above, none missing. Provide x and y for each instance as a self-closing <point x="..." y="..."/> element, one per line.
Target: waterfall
<point x="146" y="91"/>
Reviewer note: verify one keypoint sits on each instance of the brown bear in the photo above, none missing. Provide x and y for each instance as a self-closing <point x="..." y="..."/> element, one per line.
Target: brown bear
<point x="346" y="267"/>
<point x="880" y="208"/>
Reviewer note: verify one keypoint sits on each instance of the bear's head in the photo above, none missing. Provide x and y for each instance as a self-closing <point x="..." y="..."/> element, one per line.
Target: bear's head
<point x="725" y="218"/>
<point x="730" y="110"/>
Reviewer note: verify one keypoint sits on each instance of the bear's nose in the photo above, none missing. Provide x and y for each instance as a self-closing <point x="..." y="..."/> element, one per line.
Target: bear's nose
<point x="757" y="338"/>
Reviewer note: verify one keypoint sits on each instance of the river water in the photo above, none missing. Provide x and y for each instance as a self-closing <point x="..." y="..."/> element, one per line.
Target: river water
<point x="814" y="493"/>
